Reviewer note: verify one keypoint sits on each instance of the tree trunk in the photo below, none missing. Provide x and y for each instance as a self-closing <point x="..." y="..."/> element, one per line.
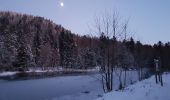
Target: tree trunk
<point x="125" y="79"/>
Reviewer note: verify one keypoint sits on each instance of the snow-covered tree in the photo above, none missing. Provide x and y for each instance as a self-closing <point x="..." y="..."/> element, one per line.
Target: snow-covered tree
<point x="66" y="45"/>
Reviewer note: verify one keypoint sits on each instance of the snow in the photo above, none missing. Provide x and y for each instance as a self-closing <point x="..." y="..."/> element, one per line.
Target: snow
<point x="3" y="74"/>
<point x="7" y="74"/>
<point x="40" y="70"/>
<point x="144" y="90"/>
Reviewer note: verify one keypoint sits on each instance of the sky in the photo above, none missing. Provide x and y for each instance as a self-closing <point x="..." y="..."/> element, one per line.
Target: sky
<point x="149" y="20"/>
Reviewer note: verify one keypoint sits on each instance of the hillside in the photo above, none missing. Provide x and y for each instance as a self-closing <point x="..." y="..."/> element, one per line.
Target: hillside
<point x="34" y="42"/>
<point x="35" y="38"/>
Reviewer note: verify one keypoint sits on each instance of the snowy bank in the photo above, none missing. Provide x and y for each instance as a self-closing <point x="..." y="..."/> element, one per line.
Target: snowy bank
<point x="7" y="74"/>
<point x="50" y="70"/>
<point x="144" y="90"/>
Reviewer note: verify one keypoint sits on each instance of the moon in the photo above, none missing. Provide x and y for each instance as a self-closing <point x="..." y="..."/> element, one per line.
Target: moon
<point x="61" y="4"/>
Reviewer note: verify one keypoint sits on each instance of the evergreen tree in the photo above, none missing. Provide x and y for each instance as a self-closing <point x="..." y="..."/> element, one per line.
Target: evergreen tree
<point x="66" y="46"/>
<point x="37" y="43"/>
<point x="88" y="57"/>
<point x="22" y="56"/>
<point x="130" y="45"/>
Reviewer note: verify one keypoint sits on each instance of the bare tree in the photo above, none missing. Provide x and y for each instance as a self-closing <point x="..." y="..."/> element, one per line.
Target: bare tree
<point x="128" y="58"/>
<point x="123" y="59"/>
<point x="118" y="73"/>
<point x="124" y="29"/>
<point x="108" y="28"/>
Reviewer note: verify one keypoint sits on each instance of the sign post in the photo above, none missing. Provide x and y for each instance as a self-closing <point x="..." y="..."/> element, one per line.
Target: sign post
<point x="158" y="71"/>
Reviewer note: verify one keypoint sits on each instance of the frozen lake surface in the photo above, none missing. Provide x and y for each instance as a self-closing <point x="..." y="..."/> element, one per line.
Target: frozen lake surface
<point x="83" y="87"/>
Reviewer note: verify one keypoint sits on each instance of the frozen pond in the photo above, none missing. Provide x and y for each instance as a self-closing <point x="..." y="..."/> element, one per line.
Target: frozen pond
<point x="83" y="87"/>
<point x="48" y="88"/>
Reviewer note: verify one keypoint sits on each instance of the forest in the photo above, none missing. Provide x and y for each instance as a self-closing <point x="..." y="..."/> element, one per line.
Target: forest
<point x="31" y="41"/>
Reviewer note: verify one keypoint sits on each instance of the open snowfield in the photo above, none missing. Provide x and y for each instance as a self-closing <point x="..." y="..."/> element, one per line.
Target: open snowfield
<point x="82" y="87"/>
<point x="144" y="90"/>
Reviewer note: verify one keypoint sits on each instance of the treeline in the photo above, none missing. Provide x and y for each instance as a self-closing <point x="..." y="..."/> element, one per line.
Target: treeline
<point x="27" y="41"/>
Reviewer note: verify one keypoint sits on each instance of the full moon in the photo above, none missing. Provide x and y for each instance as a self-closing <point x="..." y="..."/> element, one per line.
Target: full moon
<point x="61" y="4"/>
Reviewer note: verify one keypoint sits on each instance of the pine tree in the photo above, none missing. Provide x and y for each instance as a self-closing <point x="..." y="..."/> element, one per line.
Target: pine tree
<point x="88" y="57"/>
<point x="66" y="45"/>
<point x="22" y="56"/>
<point x="37" y="44"/>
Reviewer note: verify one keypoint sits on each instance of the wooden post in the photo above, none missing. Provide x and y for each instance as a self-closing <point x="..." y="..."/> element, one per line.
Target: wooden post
<point x="158" y="72"/>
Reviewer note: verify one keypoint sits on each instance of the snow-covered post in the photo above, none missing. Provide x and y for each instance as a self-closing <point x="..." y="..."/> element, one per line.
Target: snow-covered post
<point x="158" y="73"/>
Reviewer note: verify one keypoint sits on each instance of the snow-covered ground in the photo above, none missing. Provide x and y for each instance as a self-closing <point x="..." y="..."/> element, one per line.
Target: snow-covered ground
<point x="144" y="90"/>
<point x="82" y="87"/>
<point x="7" y="73"/>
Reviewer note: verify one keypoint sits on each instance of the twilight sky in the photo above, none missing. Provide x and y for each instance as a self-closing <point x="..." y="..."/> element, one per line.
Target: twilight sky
<point x="149" y="19"/>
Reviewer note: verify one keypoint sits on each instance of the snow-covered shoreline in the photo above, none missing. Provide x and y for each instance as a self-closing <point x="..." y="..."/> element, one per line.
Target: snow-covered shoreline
<point x="50" y="70"/>
<point x="143" y="90"/>
<point x="8" y="73"/>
